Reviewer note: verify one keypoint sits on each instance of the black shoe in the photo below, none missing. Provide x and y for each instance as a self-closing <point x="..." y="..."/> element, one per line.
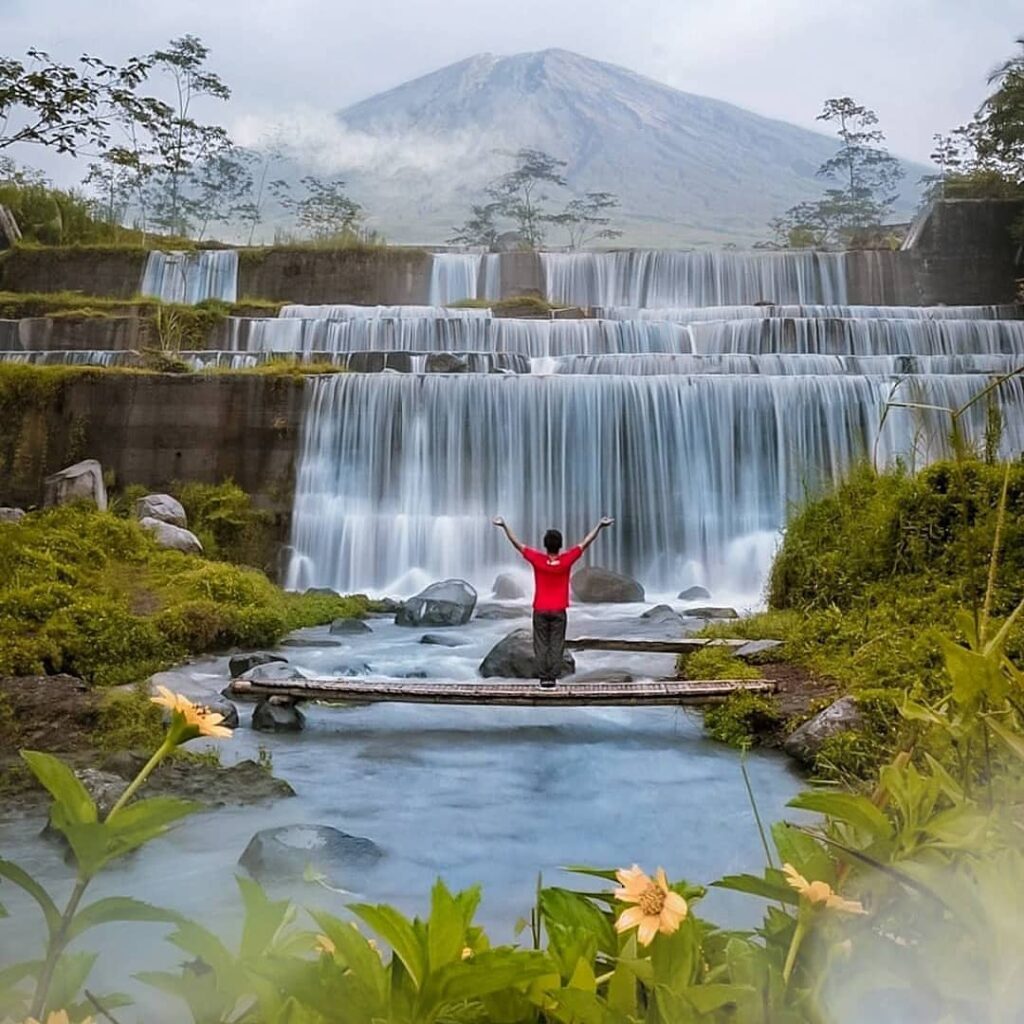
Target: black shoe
<point x="548" y="684"/>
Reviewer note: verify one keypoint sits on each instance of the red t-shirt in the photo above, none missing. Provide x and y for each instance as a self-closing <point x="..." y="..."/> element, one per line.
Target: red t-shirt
<point x="551" y="577"/>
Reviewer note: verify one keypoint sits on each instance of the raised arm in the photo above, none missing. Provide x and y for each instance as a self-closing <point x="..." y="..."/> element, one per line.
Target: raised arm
<point x="502" y="525"/>
<point x="592" y="536"/>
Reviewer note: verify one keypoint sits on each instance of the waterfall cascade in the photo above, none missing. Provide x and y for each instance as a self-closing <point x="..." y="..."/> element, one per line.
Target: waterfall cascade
<point x="696" y="426"/>
<point x="191" y="277"/>
<point x="453" y="276"/>
<point x="664" y="278"/>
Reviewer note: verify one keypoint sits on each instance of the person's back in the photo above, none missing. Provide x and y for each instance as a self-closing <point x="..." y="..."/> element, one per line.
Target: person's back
<point x="552" y="568"/>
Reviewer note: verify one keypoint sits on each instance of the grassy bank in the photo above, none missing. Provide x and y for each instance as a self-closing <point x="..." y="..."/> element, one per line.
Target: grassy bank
<point x="872" y="576"/>
<point x="90" y="594"/>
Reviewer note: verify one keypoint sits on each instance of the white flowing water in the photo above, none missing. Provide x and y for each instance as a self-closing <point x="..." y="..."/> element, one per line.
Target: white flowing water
<point x="347" y="311"/>
<point x="692" y="314"/>
<point x="453" y="276"/>
<point x="490" y="276"/>
<point x="400" y="474"/>
<point x="191" y="277"/>
<point x="655" y="277"/>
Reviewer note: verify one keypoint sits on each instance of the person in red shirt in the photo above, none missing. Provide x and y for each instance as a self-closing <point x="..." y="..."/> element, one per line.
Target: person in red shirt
<point x="551" y="569"/>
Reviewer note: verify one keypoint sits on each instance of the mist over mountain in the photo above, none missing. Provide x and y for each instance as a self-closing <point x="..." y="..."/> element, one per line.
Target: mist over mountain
<point x="687" y="169"/>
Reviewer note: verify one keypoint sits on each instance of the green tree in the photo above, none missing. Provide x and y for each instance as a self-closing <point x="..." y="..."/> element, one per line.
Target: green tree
<point x="326" y="211"/>
<point x="480" y="227"/>
<point x="586" y="219"/>
<point x="50" y="104"/>
<point x="181" y="141"/>
<point x="865" y="178"/>
<point x="222" y="187"/>
<point x="1001" y="118"/>
<point x="519" y="194"/>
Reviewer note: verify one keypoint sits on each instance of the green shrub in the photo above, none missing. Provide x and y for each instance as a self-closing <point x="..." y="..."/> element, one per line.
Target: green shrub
<point x="743" y="719"/>
<point x="222" y="516"/>
<point x="715" y="663"/>
<point x="91" y="594"/>
<point x="129" y="721"/>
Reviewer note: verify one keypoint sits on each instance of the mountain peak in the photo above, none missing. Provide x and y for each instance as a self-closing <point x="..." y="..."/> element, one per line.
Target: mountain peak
<point x="687" y="169"/>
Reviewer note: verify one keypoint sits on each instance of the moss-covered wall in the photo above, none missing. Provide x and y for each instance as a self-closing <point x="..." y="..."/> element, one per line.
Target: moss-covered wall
<point x="150" y="429"/>
<point x="92" y="270"/>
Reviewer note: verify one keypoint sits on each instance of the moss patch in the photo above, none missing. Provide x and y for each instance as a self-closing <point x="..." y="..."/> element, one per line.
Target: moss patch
<point x="90" y="594"/>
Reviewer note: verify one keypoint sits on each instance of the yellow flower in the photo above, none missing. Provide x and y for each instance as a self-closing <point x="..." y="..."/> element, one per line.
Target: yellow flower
<point x="819" y="894"/>
<point x="466" y="952"/>
<point x="657" y="909"/>
<point x="324" y="945"/>
<point x="198" y="716"/>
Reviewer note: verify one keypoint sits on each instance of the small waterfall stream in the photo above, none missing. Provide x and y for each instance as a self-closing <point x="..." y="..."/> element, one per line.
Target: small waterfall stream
<point x="191" y="277"/>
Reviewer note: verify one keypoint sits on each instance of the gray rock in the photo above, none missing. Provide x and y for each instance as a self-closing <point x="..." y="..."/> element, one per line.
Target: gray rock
<point x="241" y="663"/>
<point x="662" y="614"/>
<point x="173" y="537"/>
<point x="694" y="594"/>
<point x="594" y="585"/>
<point x="320" y="592"/>
<point x="805" y="741"/>
<point x="287" y="852"/>
<point x="512" y="657"/>
<point x="756" y="647"/>
<point x="81" y="482"/>
<point x="274" y="672"/>
<point x="495" y="612"/>
<point x="104" y="787"/>
<point x="440" y="640"/>
<point x="301" y="641"/>
<point x="350" y="626"/>
<point x="449" y="603"/>
<point x="162" y="507"/>
<point x="11" y="515"/>
<point x="446" y="362"/>
<point x="711" y="612"/>
<point x="222" y="706"/>
<point x="508" y="588"/>
<point x="386" y="606"/>
<point x="273" y="716"/>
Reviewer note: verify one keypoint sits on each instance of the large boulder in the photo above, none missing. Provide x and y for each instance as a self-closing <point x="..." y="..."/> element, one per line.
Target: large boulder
<point x="594" y="585"/>
<point x="241" y="663"/>
<point x="222" y="706"/>
<point x="277" y="715"/>
<point x="11" y="515"/>
<point x="162" y="507"/>
<point x="508" y="588"/>
<point x="81" y="482"/>
<point x="446" y="362"/>
<point x="173" y="537"/>
<point x="694" y="594"/>
<point x="350" y="626"/>
<point x="274" y="672"/>
<point x="512" y="657"/>
<point x="711" y="612"/>
<point x="440" y="640"/>
<point x="287" y="852"/>
<point x="662" y="615"/>
<point x="449" y="603"/>
<point x="840" y="716"/>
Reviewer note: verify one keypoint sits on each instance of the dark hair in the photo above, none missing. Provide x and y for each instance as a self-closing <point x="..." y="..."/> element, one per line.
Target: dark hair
<point x="553" y="542"/>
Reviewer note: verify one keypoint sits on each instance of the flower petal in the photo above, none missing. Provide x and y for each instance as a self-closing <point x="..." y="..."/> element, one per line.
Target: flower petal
<point x="647" y="930"/>
<point x="629" y="919"/>
<point x="674" y="903"/>
<point x="795" y="879"/>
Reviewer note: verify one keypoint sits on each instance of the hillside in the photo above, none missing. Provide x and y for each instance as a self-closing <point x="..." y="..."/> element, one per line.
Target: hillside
<point x="688" y="169"/>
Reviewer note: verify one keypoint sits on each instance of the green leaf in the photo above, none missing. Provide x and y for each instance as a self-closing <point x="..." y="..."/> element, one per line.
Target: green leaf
<point x="850" y="808"/>
<point x="398" y="933"/>
<point x="998" y="642"/>
<point x="202" y="943"/>
<point x="446" y="928"/>
<point x="490" y="972"/>
<point x="586" y="1008"/>
<point x="973" y="674"/>
<point x="352" y="949"/>
<point x="63" y="785"/>
<point x="1014" y="742"/>
<point x="118" y="908"/>
<point x="68" y="977"/>
<point x="676" y="957"/>
<point x="22" y="879"/>
<point x="622" y="987"/>
<point x="803" y="853"/>
<point x="608" y="874"/>
<point x="708" y="998"/>
<point x="576" y="913"/>
<point x="772" y="887"/>
<point x="263" y="918"/>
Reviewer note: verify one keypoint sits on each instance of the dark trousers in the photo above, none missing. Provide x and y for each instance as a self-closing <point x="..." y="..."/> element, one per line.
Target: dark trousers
<point x="548" y="644"/>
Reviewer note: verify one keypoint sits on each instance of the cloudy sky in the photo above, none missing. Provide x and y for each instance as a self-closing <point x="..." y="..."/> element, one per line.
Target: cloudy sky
<point x="920" y="63"/>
